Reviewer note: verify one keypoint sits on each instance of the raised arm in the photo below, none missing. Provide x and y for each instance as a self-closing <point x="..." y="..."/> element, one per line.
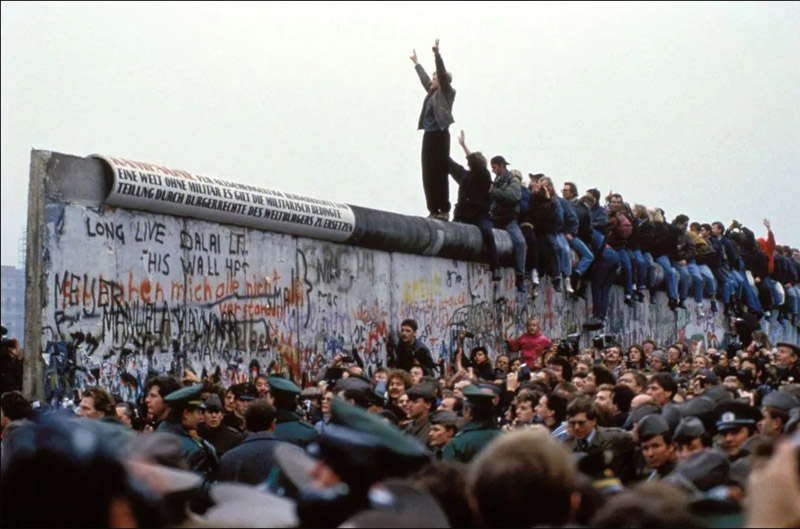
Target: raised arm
<point x="423" y="76"/>
<point x="441" y="72"/>
<point x="463" y="144"/>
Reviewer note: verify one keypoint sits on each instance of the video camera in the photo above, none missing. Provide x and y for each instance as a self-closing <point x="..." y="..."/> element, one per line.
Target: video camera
<point x="601" y="341"/>
<point x="568" y="346"/>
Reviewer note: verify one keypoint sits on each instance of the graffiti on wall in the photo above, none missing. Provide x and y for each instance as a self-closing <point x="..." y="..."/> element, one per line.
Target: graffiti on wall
<point x="132" y="294"/>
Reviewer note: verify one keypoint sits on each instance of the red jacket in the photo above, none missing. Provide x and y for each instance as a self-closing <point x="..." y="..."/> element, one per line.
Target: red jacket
<point x="530" y="346"/>
<point x="768" y="247"/>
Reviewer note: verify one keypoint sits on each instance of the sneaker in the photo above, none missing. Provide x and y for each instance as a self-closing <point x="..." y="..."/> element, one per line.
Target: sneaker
<point x="496" y="275"/>
<point x="593" y="324"/>
<point x="568" y="285"/>
<point x="557" y="284"/>
<point x="629" y="300"/>
<point x="535" y="277"/>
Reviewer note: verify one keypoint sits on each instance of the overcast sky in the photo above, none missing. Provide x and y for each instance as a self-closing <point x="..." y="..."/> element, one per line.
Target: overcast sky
<point x="691" y="107"/>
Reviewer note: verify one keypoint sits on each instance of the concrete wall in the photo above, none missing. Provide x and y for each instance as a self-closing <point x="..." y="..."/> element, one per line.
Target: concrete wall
<point x="153" y="293"/>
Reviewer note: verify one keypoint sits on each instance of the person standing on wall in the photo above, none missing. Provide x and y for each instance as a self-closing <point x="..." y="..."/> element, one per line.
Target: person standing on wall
<point x="435" y="119"/>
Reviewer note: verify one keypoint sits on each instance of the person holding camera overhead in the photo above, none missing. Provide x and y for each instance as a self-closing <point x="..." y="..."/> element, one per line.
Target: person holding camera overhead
<point x="478" y="361"/>
<point x="531" y="344"/>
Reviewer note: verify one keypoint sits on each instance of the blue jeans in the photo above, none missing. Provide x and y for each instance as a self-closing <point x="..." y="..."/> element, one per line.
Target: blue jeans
<point x="778" y="297"/>
<point x="727" y="284"/>
<point x="627" y="269"/>
<point x="670" y="276"/>
<point x="605" y="269"/>
<point x="485" y="225"/>
<point x="585" y="254"/>
<point x="749" y="293"/>
<point x="690" y="274"/>
<point x="564" y="257"/>
<point x="793" y="297"/>
<point x="641" y="269"/>
<point x="518" y="240"/>
<point x="710" y="284"/>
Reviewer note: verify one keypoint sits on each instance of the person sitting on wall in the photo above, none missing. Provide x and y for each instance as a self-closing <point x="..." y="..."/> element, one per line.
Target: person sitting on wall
<point x="473" y="199"/>
<point x="402" y="354"/>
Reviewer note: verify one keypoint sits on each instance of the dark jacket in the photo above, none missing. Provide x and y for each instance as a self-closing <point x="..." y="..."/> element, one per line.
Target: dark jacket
<point x="402" y="356"/>
<point x="251" y="461"/>
<point x="685" y="247"/>
<point x="617" y="441"/>
<point x="196" y="452"/>
<point x="613" y="237"/>
<point x="524" y="204"/>
<point x="543" y="214"/>
<point x="222" y="438"/>
<point x="473" y="192"/>
<point x="664" y="240"/>
<point x="566" y="221"/>
<point x="443" y="97"/>
<point x="505" y="196"/>
<point x="584" y="216"/>
<point x="599" y="218"/>
<point x="420" y="429"/>
<point x="470" y="440"/>
<point x="291" y="428"/>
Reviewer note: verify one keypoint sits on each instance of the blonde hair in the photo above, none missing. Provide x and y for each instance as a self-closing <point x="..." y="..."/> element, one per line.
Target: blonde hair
<point x="516" y="173"/>
<point x="655" y="216"/>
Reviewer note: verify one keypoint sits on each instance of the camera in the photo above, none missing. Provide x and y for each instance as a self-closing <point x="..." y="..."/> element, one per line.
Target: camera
<point x="524" y="373"/>
<point x="568" y="346"/>
<point x="746" y="377"/>
<point x="601" y="341"/>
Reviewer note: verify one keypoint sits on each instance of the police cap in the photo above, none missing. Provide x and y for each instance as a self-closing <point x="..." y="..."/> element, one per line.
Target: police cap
<point x="637" y="414"/>
<point x="780" y="400"/>
<point x="733" y="415"/>
<point x="474" y="395"/>
<point x="281" y="385"/>
<point x="244" y="391"/>
<point x="186" y="397"/>
<point x="689" y="428"/>
<point x="651" y="426"/>
<point x="444" y="417"/>
<point x="423" y="390"/>
<point x="213" y="403"/>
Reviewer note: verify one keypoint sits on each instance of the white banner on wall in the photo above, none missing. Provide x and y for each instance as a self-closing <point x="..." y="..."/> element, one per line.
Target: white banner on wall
<point x="151" y="187"/>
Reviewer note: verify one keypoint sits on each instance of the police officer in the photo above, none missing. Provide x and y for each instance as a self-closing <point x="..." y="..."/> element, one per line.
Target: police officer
<point x="185" y="415"/>
<point x="289" y="426"/>
<point x="421" y="402"/>
<point x="775" y="410"/>
<point x="736" y="422"/>
<point x="243" y="394"/>
<point x="357" y="450"/>
<point x="443" y="428"/>
<point x="657" y="446"/>
<point x="479" y="428"/>
<point x="690" y="437"/>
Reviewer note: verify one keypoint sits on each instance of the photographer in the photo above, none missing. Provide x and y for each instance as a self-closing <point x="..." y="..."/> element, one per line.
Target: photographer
<point x="478" y="360"/>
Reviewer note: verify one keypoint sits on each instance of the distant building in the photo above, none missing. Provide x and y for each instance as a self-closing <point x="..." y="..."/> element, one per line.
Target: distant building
<point x="12" y="298"/>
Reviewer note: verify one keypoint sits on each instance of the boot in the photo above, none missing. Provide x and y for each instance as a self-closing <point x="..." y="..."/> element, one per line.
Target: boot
<point x="714" y="306"/>
<point x="629" y="300"/>
<point x="673" y="304"/>
<point x="557" y="284"/>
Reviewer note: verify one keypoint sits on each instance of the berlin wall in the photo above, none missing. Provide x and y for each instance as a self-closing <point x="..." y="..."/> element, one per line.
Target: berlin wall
<point x="135" y="270"/>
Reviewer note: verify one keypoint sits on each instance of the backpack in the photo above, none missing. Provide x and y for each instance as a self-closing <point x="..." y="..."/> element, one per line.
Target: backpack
<point x="624" y="227"/>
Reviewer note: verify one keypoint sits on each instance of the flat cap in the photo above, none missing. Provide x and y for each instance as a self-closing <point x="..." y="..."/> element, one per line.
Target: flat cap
<point x="733" y="414"/>
<point x="282" y="385"/>
<point x="689" y="428"/>
<point x="354" y="383"/>
<point x="637" y="414"/>
<point x="213" y="403"/>
<point x="671" y="412"/>
<point x="188" y="396"/>
<point x="780" y="400"/>
<point x="794" y="347"/>
<point x="444" y="417"/>
<point x="697" y="407"/>
<point x="718" y="394"/>
<point x="707" y="374"/>
<point x="475" y="395"/>
<point x="652" y="425"/>
<point x="705" y="469"/>
<point x="423" y="390"/>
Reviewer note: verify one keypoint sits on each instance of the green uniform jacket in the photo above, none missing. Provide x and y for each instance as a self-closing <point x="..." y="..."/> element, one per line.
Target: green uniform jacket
<point x="470" y="440"/>
<point x="291" y="428"/>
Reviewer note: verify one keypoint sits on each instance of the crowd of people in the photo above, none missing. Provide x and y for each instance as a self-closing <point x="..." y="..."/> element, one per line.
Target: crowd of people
<point x="647" y="435"/>
<point x="610" y="238"/>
